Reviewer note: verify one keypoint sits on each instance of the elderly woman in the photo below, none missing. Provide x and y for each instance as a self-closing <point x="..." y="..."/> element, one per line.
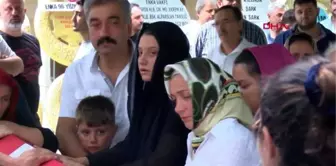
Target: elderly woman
<point x="208" y="101"/>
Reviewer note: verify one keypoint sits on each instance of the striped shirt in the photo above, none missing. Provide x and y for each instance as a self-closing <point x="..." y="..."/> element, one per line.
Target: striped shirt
<point x="208" y="37"/>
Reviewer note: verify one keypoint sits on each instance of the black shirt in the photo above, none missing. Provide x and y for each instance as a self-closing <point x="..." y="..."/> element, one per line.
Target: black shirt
<point x="27" y="48"/>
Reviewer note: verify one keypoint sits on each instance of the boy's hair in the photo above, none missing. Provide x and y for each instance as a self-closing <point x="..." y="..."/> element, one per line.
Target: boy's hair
<point x="95" y="111"/>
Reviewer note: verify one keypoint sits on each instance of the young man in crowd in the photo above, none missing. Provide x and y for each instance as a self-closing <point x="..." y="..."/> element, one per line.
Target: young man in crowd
<point x="80" y="26"/>
<point x="208" y="37"/>
<point x="26" y="46"/>
<point x="306" y="12"/>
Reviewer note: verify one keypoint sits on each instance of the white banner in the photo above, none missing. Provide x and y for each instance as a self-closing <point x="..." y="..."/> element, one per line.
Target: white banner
<point x="57" y="6"/>
<point x="164" y="10"/>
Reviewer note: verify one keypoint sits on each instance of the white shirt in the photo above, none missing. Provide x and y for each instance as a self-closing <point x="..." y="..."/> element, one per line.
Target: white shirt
<point x="5" y="49"/>
<point x="86" y="48"/>
<point x="83" y="78"/>
<point x="229" y="143"/>
<point x="226" y="62"/>
<point x="191" y="30"/>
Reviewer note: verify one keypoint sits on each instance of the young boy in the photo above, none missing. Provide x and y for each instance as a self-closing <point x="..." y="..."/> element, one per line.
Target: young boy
<point x="96" y="126"/>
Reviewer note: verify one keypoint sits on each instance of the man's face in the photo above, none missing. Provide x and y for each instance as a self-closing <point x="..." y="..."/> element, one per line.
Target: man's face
<point x="108" y="28"/>
<point x="137" y="19"/>
<point x="78" y="19"/>
<point x="333" y="7"/>
<point x="275" y="16"/>
<point x="12" y="13"/>
<point x="207" y="12"/>
<point x="226" y="24"/>
<point x="305" y="15"/>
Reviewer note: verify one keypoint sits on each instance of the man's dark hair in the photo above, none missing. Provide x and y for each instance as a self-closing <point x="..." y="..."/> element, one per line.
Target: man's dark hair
<point x="289" y="17"/>
<point x="134" y="5"/>
<point x="301" y="37"/>
<point x="95" y="111"/>
<point x="124" y="4"/>
<point x="300" y="2"/>
<point x="235" y="10"/>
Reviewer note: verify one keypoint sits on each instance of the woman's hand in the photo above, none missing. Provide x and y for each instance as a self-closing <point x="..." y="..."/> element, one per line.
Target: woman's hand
<point x="34" y="157"/>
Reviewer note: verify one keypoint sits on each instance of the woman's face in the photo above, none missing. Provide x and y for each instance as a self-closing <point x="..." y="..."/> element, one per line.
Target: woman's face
<point x="300" y="49"/>
<point x="148" y="52"/>
<point x="180" y="94"/>
<point x="249" y="86"/>
<point x="5" y="95"/>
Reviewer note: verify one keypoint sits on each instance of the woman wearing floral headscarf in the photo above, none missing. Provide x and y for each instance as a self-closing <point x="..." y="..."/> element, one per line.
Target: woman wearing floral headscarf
<point x="208" y="101"/>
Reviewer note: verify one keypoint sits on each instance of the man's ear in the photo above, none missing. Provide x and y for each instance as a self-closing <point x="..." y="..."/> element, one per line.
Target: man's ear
<point x="25" y="10"/>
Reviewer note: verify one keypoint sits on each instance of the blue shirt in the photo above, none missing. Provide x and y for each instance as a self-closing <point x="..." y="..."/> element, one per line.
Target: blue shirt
<point x="270" y="40"/>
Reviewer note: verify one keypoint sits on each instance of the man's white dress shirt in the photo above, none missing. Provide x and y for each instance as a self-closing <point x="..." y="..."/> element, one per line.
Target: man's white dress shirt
<point x="84" y="78"/>
<point x="226" y="62"/>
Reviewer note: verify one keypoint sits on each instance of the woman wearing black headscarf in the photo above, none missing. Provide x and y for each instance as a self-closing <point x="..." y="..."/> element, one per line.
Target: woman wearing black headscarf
<point x="157" y="135"/>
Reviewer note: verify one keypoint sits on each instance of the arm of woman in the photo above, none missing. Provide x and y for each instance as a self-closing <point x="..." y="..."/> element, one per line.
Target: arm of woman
<point x="40" y="137"/>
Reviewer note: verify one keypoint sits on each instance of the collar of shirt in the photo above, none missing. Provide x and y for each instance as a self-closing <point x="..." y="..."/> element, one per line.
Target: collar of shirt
<point x="296" y="29"/>
<point x="94" y="60"/>
<point x="242" y="45"/>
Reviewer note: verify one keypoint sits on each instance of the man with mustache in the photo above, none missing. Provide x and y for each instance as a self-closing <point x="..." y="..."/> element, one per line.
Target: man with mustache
<point x="26" y="46"/>
<point x="330" y="22"/>
<point x="229" y="25"/>
<point x="306" y="12"/>
<point x="80" y="26"/>
<point x="102" y="73"/>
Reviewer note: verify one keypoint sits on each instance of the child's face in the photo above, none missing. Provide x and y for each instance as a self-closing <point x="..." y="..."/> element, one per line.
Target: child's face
<point x="95" y="138"/>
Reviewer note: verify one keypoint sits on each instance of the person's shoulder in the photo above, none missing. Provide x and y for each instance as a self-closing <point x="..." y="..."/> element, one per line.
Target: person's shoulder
<point x="29" y="37"/>
<point x="231" y="127"/>
<point x="248" y="44"/>
<point x="77" y="66"/>
<point x="249" y="24"/>
<point x="208" y="25"/>
<point x="190" y="24"/>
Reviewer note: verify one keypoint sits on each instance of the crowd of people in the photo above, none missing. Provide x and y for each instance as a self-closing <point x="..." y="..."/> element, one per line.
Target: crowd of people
<point x="218" y="91"/>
